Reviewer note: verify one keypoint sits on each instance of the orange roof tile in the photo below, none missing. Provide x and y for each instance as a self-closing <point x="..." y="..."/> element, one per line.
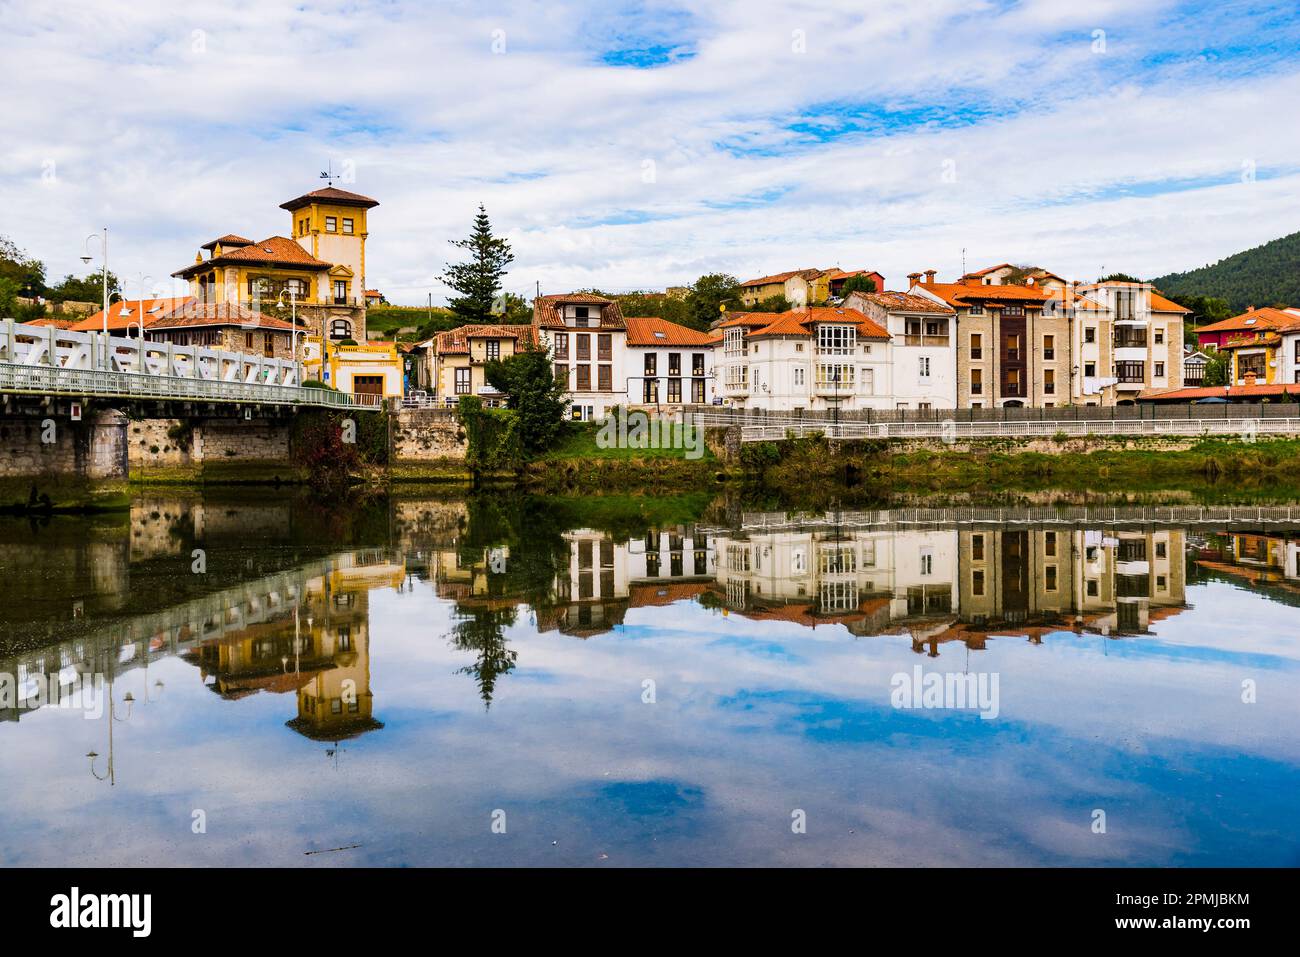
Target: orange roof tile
<point x="962" y="293"/>
<point x="652" y="331"/>
<point x="904" y="302"/>
<point x="1267" y="318"/>
<point x="781" y="277"/>
<point x="154" y="309"/>
<point x="546" y="315"/>
<point x="273" y="251"/>
<point x="1160" y="304"/>
<point x="798" y="323"/>
<point x="1291" y="390"/>
<point x="195" y="313"/>
<point x="456" y="341"/>
<point x="230" y="239"/>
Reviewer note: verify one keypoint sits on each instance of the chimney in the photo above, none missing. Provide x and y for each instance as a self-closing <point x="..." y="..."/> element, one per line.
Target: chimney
<point x="913" y="278"/>
<point x="929" y="276"/>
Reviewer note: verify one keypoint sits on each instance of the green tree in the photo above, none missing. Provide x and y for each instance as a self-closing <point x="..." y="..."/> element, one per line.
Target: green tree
<point x="90" y="288"/>
<point x="652" y="304"/>
<point x="25" y="273"/>
<point x="1119" y="277"/>
<point x="707" y="294"/>
<point x="772" y="304"/>
<point x="478" y="279"/>
<point x="528" y="381"/>
<point x="1217" y="369"/>
<point x="858" y="284"/>
<point x="1205" y="310"/>
<point x="513" y="310"/>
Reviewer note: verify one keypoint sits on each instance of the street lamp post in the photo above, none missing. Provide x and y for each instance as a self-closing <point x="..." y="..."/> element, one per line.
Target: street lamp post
<point x="293" y="314"/>
<point x="103" y="250"/>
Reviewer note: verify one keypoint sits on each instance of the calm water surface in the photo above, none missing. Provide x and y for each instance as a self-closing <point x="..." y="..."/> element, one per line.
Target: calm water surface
<point x="633" y="682"/>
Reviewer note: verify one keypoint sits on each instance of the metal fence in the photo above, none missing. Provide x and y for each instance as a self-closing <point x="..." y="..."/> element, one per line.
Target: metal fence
<point x="953" y="430"/>
<point x="715" y="415"/>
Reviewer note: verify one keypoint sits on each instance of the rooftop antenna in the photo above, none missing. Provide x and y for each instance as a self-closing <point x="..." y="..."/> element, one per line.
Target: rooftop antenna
<point x="963" y="260"/>
<point x="328" y="173"/>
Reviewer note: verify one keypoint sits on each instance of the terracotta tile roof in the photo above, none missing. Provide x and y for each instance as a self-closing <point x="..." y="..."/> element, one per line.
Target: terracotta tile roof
<point x="273" y="251"/>
<point x="456" y="341"/>
<point x="195" y="313"/>
<point x="56" y="323"/>
<point x="781" y="277"/>
<point x="1290" y="390"/>
<point x="546" y="315"/>
<point x="154" y="309"/>
<point x="798" y="323"/>
<point x="848" y="273"/>
<point x="652" y="331"/>
<point x="963" y="293"/>
<point x="230" y="239"/>
<point x="988" y="269"/>
<point x="648" y="594"/>
<point x="333" y="196"/>
<point x="1160" y="304"/>
<point x="1267" y="318"/>
<point x="903" y="302"/>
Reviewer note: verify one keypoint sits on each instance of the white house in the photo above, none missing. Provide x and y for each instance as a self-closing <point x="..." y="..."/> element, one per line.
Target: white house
<point x="819" y="358"/>
<point x="922" y="346"/>
<point x="668" y="364"/>
<point x="587" y="339"/>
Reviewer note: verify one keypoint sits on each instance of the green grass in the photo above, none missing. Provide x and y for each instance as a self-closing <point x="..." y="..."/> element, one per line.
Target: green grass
<point x="582" y="443"/>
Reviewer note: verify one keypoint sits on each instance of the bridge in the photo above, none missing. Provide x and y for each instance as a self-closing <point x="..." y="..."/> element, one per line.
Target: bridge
<point x="47" y="361"/>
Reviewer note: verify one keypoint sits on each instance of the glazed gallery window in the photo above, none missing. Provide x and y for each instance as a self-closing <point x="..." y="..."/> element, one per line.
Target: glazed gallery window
<point x="561" y="345"/>
<point x="674" y="390"/>
<point x="697" y="391"/>
<point x="492" y="349"/>
<point x="697" y="363"/>
<point x="734" y="342"/>
<point x="651" y="364"/>
<point x="833" y="376"/>
<point x="836" y="340"/>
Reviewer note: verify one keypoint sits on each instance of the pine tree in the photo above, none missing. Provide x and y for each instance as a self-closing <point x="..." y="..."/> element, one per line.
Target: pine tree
<point x="478" y="281"/>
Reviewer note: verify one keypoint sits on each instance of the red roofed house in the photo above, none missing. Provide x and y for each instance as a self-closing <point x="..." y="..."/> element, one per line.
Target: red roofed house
<point x="227" y="326"/>
<point x="819" y="358"/>
<point x="668" y="364"/>
<point x="322" y="266"/>
<point x="586" y="335"/>
<point x="127" y="316"/>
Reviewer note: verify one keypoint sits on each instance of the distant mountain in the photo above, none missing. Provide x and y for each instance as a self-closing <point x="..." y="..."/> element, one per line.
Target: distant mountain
<point x="1263" y="276"/>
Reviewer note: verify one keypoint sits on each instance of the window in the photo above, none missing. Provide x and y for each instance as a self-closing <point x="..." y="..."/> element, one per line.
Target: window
<point x="1130" y="371"/>
<point x="798" y="376"/>
<point x="584" y="347"/>
<point x="248" y="340"/>
<point x="925" y="367"/>
<point x="869" y="381"/>
<point x="1049" y="577"/>
<point x="697" y="363"/>
<point x="1090" y="334"/>
<point x="733" y="342"/>
<point x="492" y="349"/>
<point x="674" y="390"/>
<point x="1159" y="370"/>
<point x="1012" y="347"/>
<point x="927" y="564"/>
<point x="1049" y="544"/>
<point x="1013" y="312"/>
<point x="347" y="226"/>
<point x="977" y="308"/>
<point x="604" y="347"/>
<point x="1011" y="382"/>
<point x="651" y="364"/>
<point x="1049" y="381"/>
<point x="580" y="316"/>
<point x="697" y="391"/>
<point x="1090" y="369"/>
<point x="331" y="224"/>
<point x="340" y="329"/>
<point x="268" y="344"/>
<point x="340" y="291"/>
<point x="737" y="376"/>
<point x="834" y="376"/>
<point x="977" y="548"/>
<point x="584" y="378"/>
<point x="836" y="340"/>
<point x="462" y="381"/>
<point x="1092" y="588"/>
<point x="561" y="345"/>
<point x="976" y="346"/>
<point x="562" y="375"/>
<point x="674" y="363"/>
<point x="976" y="381"/>
<point x="605" y="378"/>
<point x="650" y="391"/>
<point x="1160" y="337"/>
<point x="1049" y="348"/>
<point x="977" y="583"/>
<point x="1125" y="303"/>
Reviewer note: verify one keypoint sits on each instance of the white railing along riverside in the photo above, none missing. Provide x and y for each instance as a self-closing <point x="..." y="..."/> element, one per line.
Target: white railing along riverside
<point x="951" y="430"/>
<point x="49" y="361"/>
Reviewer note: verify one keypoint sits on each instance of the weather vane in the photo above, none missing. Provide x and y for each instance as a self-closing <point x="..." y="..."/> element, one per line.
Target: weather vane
<point x="328" y="173"/>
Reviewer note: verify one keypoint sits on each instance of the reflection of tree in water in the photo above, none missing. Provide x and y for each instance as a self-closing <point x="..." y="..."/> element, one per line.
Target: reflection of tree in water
<point x="480" y="631"/>
<point x="525" y="538"/>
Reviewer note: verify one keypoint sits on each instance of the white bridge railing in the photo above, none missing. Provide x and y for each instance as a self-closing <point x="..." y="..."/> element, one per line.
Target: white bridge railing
<point x="953" y="431"/>
<point x="49" y="361"/>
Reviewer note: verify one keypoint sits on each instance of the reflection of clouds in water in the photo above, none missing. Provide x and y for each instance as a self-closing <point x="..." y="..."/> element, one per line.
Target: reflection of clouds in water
<point x="752" y="720"/>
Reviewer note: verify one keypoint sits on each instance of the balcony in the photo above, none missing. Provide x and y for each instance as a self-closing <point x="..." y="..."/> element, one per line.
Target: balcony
<point x="928" y="341"/>
<point x="1131" y="339"/>
<point x="737" y="388"/>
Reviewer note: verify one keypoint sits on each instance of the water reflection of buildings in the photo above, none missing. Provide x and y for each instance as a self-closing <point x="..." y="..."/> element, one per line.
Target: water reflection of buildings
<point x="936" y="584"/>
<point x="319" y="650"/>
<point x="603" y="578"/>
<point x="1267" y="562"/>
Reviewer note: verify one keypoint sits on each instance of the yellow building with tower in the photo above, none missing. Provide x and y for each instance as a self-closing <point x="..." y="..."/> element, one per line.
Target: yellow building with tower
<point x="321" y="265"/>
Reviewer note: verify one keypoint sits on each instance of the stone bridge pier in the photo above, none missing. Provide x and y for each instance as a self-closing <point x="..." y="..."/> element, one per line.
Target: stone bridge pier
<point x="50" y="443"/>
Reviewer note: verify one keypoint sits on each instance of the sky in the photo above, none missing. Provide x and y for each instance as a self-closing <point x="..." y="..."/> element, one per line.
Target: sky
<point x="639" y="145"/>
